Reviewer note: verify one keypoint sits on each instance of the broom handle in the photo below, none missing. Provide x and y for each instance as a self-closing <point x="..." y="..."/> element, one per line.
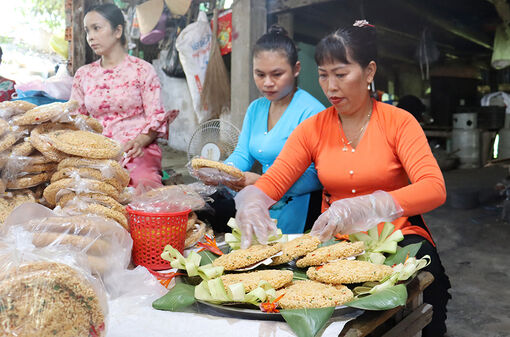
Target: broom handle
<point x="215" y="22"/>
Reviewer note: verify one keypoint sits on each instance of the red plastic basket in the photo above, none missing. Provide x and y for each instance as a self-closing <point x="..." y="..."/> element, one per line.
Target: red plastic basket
<point x="151" y="232"/>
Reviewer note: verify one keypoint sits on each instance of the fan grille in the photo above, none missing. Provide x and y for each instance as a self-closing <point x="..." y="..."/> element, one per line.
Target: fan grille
<point x="215" y="139"/>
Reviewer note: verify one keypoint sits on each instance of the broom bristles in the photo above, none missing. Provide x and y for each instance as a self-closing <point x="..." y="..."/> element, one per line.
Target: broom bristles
<point x="215" y="95"/>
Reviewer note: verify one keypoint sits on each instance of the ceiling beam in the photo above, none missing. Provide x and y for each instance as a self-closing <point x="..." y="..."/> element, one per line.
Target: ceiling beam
<point x="276" y="6"/>
<point x="454" y="28"/>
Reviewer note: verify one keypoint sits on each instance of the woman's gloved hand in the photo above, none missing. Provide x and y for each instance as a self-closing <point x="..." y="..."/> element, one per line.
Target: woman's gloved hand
<point x="252" y="215"/>
<point x="351" y="215"/>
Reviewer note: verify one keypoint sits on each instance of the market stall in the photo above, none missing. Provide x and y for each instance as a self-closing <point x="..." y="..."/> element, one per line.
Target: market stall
<point x="85" y="230"/>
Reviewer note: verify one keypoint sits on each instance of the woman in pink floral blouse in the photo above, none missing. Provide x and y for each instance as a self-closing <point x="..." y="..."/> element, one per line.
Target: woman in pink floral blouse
<point x="123" y="93"/>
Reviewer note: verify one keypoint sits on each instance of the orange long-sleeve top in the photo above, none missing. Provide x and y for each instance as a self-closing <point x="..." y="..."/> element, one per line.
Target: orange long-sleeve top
<point x="393" y="155"/>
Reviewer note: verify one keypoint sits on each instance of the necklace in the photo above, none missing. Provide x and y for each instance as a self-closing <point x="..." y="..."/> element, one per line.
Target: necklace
<point x="344" y="148"/>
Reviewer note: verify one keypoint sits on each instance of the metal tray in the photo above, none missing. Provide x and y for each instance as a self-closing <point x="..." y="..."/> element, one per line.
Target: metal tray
<point x="251" y="312"/>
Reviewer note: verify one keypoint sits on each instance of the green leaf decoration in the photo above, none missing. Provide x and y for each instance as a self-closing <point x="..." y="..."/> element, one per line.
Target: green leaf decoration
<point x="401" y="254"/>
<point x="207" y="257"/>
<point x="307" y="322"/>
<point x="328" y="243"/>
<point x="179" y="297"/>
<point x="388" y="298"/>
<point x="299" y="274"/>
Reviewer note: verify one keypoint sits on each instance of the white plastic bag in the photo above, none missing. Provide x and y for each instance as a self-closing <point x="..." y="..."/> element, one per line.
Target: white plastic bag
<point x="194" y="45"/>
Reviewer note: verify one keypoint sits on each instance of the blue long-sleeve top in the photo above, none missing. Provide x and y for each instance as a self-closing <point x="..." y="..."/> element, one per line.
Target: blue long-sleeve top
<point x="257" y="143"/>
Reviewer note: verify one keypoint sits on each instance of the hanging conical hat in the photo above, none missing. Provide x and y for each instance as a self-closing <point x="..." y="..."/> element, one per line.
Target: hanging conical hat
<point x="178" y="7"/>
<point x="148" y="15"/>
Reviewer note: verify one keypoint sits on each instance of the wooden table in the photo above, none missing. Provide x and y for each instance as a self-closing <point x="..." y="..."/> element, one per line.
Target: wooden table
<point x="406" y="321"/>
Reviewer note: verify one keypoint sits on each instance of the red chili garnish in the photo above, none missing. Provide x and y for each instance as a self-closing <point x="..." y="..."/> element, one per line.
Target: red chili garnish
<point x="166" y="278"/>
<point x="92" y="331"/>
<point x="341" y="237"/>
<point x="210" y="245"/>
<point x="270" y="307"/>
<point x="407" y="256"/>
<point x="319" y="267"/>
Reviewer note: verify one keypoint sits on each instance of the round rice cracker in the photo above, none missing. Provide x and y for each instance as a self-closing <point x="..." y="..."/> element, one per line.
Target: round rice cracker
<point x="85" y="185"/>
<point x="7" y="141"/>
<point x="30" y="180"/>
<point x="198" y="163"/>
<point x="89" y="244"/>
<point x="82" y="224"/>
<point x="311" y="294"/>
<point x="50" y="299"/>
<point x="42" y="144"/>
<point x="109" y="168"/>
<point x="85" y="144"/>
<point x="250" y="280"/>
<point x="296" y="248"/>
<point x="37" y="158"/>
<point x="86" y="172"/>
<point x="4" y="126"/>
<point x="73" y="199"/>
<point x="9" y="201"/>
<point x="23" y="149"/>
<point x="245" y="257"/>
<point x="325" y="254"/>
<point x="40" y="168"/>
<point x="100" y="211"/>
<point x="349" y="271"/>
<point x="195" y="233"/>
<point x="83" y="122"/>
<point x="13" y="108"/>
<point x="47" y="112"/>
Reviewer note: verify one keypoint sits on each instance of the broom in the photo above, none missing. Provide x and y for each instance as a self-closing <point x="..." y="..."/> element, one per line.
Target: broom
<point x="215" y="95"/>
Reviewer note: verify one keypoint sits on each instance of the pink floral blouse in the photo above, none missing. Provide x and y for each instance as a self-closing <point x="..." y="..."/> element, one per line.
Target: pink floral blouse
<point x="125" y="99"/>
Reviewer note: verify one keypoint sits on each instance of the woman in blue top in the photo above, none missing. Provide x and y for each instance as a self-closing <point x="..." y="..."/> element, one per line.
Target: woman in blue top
<point x="268" y="123"/>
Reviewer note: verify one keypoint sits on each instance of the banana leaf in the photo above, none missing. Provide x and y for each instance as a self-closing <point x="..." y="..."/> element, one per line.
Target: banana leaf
<point x="328" y="243"/>
<point x="307" y="322"/>
<point x="299" y="274"/>
<point x="179" y="297"/>
<point x="388" y="298"/>
<point x="401" y="254"/>
<point x="207" y="257"/>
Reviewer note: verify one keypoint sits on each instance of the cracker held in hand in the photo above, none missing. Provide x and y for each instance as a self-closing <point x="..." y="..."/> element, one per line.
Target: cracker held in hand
<point x="325" y="254"/>
<point x="349" y="271"/>
<point x="296" y="248"/>
<point x="242" y="258"/>
<point x="198" y="163"/>
<point x="49" y="299"/>
<point x="85" y="144"/>
<point x="276" y="278"/>
<point x="312" y="294"/>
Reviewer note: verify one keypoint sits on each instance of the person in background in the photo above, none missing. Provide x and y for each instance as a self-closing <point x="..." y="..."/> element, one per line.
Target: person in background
<point x="6" y="86"/>
<point x="372" y="158"/>
<point x="123" y="93"/>
<point x="268" y="123"/>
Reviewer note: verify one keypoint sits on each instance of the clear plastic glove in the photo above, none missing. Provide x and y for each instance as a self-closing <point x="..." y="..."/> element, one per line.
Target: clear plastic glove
<point x="351" y="215"/>
<point x="252" y="215"/>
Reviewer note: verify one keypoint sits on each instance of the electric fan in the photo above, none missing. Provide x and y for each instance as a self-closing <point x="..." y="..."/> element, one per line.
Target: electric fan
<point x="215" y="140"/>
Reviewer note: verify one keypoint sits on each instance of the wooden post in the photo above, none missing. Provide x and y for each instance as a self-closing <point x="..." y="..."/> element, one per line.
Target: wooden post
<point x="78" y="48"/>
<point x="249" y="21"/>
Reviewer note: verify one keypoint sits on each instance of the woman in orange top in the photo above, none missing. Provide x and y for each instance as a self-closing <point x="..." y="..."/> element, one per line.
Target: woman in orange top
<point x="365" y="153"/>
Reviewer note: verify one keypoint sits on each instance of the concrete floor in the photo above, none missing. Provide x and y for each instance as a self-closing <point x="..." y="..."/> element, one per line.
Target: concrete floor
<point x="472" y="244"/>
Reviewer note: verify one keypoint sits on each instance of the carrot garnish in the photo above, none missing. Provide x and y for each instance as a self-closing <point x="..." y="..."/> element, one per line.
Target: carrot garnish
<point x="210" y="245"/>
<point x="270" y="307"/>
<point x="341" y="237"/>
